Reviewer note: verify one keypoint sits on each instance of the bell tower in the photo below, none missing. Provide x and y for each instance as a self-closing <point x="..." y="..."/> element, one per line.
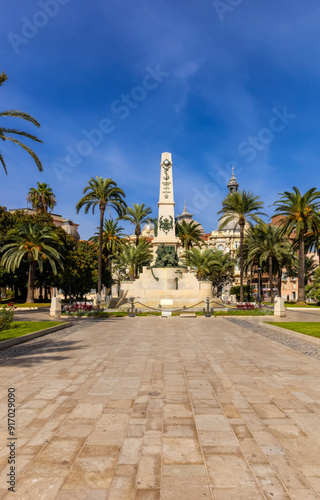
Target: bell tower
<point x="233" y="185"/>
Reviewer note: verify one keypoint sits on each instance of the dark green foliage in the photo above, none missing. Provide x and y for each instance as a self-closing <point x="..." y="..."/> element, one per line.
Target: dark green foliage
<point x="80" y="274"/>
<point x="247" y="291"/>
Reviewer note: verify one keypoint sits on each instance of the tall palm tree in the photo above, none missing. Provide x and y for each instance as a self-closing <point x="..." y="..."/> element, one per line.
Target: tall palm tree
<point x="241" y="207"/>
<point x="112" y="239"/>
<point x="106" y="194"/>
<point x="190" y="234"/>
<point x="5" y="133"/>
<point x="200" y="262"/>
<point x="300" y="216"/>
<point x="266" y="243"/>
<point x="42" y="198"/>
<point x="137" y="215"/>
<point x="221" y="269"/>
<point x="36" y="243"/>
<point x="312" y="243"/>
<point x="135" y="257"/>
<point x="310" y="265"/>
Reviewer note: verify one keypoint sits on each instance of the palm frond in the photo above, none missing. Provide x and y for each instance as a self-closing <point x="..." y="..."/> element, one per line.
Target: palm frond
<point x="20" y="114"/>
<point x="29" y="150"/>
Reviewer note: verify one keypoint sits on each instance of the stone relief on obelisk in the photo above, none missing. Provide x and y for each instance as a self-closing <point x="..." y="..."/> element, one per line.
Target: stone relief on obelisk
<point x="166" y="219"/>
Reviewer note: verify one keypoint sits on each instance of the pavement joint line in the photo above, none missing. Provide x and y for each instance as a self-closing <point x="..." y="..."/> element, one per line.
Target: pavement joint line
<point x="258" y="444"/>
<point x="302" y="346"/>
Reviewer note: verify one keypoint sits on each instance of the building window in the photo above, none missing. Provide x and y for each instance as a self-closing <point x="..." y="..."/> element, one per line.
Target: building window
<point x="236" y="245"/>
<point x="220" y="247"/>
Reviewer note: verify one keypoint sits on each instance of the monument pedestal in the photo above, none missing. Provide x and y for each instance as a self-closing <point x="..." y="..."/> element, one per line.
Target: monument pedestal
<point x="171" y="283"/>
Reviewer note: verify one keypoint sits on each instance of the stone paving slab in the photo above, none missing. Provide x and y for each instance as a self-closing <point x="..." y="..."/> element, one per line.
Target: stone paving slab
<point x="299" y="342"/>
<point x="171" y="409"/>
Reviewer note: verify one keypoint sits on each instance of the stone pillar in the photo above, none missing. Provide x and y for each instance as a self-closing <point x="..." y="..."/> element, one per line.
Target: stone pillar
<point x="166" y="219"/>
<point x="279" y="309"/>
<point x="55" y="309"/>
<point x="96" y="300"/>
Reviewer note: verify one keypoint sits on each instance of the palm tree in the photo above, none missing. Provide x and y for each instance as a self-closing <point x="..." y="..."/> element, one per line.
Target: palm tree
<point x="310" y="265"/>
<point x="135" y="257"/>
<point x="112" y="239"/>
<point x="190" y="234"/>
<point x="312" y="242"/>
<point x="241" y="207"/>
<point x="221" y="269"/>
<point x="266" y="243"/>
<point x="106" y="194"/>
<point x="300" y="215"/>
<point x="137" y="215"/>
<point x="5" y="133"/>
<point x="36" y="243"/>
<point x="200" y="262"/>
<point x="42" y="198"/>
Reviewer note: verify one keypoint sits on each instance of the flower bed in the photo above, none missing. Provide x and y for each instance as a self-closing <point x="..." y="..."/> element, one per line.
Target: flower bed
<point x="6" y="316"/>
<point x="245" y="306"/>
<point x="76" y="308"/>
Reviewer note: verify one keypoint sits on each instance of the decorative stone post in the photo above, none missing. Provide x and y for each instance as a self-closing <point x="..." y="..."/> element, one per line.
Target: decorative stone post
<point x="279" y="308"/>
<point x="97" y="300"/>
<point x="55" y="309"/>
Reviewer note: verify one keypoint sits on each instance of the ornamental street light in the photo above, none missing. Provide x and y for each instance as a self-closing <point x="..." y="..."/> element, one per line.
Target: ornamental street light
<point x="259" y="285"/>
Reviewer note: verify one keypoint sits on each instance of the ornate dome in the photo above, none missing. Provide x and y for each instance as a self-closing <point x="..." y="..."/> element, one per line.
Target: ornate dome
<point x="231" y="226"/>
<point x="148" y="229"/>
<point x="188" y="217"/>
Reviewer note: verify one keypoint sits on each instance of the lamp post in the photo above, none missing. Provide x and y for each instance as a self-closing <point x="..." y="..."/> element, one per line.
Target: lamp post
<point x="259" y="285"/>
<point x="249" y="291"/>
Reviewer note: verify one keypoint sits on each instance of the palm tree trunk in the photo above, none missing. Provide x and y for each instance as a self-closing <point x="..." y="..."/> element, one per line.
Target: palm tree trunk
<point x="31" y="279"/>
<point x="271" y="279"/>
<point x="137" y="233"/>
<point x="100" y="250"/>
<point x="241" y="260"/>
<point x="301" y="288"/>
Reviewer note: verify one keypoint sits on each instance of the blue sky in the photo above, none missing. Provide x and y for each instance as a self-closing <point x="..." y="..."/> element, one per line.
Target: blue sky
<point x="115" y="84"/>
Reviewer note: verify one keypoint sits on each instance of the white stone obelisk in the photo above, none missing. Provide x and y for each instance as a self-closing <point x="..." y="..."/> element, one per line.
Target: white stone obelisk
<point x="166" y="220"/>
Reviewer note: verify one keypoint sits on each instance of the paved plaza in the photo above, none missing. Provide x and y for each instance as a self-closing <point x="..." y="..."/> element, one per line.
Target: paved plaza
<point x="170" y="409"/>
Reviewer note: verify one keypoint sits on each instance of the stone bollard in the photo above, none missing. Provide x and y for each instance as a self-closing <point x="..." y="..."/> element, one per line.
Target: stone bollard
<point x="279" y="309"/>
<point x="97" y="300"/>
<point x="55" y="309"/>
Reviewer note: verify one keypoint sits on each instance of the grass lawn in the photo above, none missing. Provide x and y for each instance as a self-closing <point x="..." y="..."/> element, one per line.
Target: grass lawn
<point x="300" y="304"/>
<point x="249" y="312"/>
<point x="25" y="304"/>
<point x="33" y="304"/>
<point x="20" y="328"/>
<point x="312" y="328"/>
